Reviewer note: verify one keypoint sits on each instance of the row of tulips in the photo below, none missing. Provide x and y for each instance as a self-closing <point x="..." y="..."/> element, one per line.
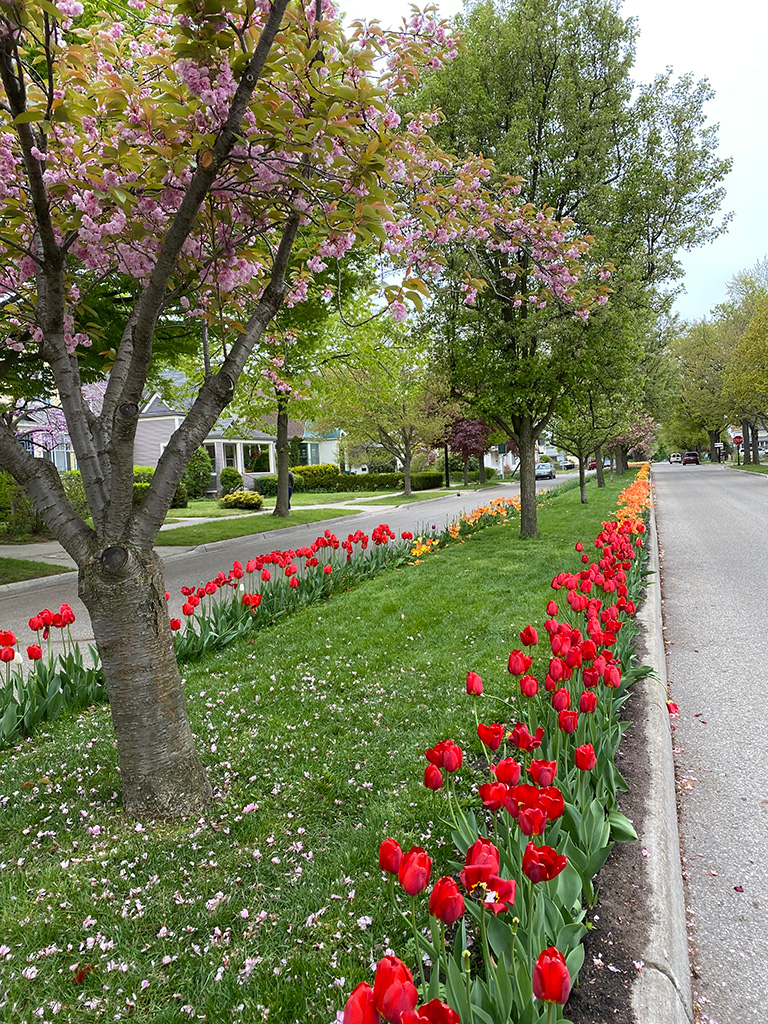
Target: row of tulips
<point x="502" y="930"/>
<point x="36" y="687"/>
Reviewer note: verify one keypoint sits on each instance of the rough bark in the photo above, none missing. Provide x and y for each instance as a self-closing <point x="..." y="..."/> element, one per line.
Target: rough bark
<point x="621" y="460"/>
<point x="407" y="458"/>
<point x="466" y="472"/>
<point x="755" y="446"/>
<point x="582" y="477"/>
<point x="124" y="591"/>
<point x="282" y="446"/>
<point x="746" y="446"/>
<point x="714" y="435"/>
<point x="526" y="443"/>
<point x="481" y="471"/>
<point x="599" y="467"/>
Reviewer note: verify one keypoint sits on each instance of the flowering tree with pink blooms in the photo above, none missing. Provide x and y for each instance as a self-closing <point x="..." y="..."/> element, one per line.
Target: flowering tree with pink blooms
<point x="217" y="156"/>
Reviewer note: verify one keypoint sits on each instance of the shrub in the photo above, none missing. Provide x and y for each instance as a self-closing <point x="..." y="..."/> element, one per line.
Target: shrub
<point x="72" y="483"/>
<point x="180" y="498"/>
<point x="140" y="489"/>
<point x="16" y="510"/>
<point x="197" y="477"/>
<point x="230" y="480"/>
<point x="323" y="477"/>
<point x="242" y="499"/>
<point x="425" y="481"/>
<point x="266" y="485"/>
<point x="143" y="474"/>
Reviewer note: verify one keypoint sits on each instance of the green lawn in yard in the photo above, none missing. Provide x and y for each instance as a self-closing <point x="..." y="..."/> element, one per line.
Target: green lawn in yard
<point x="401" y="499"/>
<point x="14" y="569"/>
<point x="259" y="522"/>
<point x="208" y="508"/>
<point x="271" y="906"/>
<point x="753" y="468"/>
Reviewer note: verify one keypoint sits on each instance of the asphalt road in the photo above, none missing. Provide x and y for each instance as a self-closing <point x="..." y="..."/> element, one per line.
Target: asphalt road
<point x="713" y="528"/>
<point x="194" y="566"/>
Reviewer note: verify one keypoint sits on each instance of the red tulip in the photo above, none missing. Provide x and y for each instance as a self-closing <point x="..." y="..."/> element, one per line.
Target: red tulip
<point x="390" y="856"/>
<point x="34" y="652"/>
<point x="36" y="623"/>
<point x="524" y="795"/>
<point x="7" y="654"/>
<point x="360" y="1008"/>
<point x="393" y="990"/>
<point x="568" y="721"/>
<point x="175" y="624"/>
<point x="551" y="981"/>
<point x="327" y="569"/>
<point x="507" y="771"/>
<point x="550" y="800"/>
<point x="543" y="772"/>
<point x="612" y="676"/>
<point x="493" y="795"/>
<point x="415" y="869"/>
<point x="446" y="754"/>
<point x="519" y="663"/>
<point x="523" y="739"/>
<point x="499" y="894"/>
<point x="587" y="702"/>
<point x="529" y="686"/>
<point x="585" y="757"/>
<point x="573" y="657"/>
<point x="542" y="863"/>
<point x="557" y="669"/>
<point x="529" y="637"/>
<point x="590" y="676"/>
<point x="474" y="684"/>
<point x="293" y="582"/>
<point x="491" y="735"/>
<point x="532" y="821"/>
<point x="188" y="609"/>
<point x="445" y="901"/>
<point x="481" y="862"/>
<point x="552" y="608"/>
<point x="588" y="650"/>
<point x="67" y="615"/>
<point x="7" y="638"/>
<point x="266" y="575"/>
<point x="433" y="1012"/>
<point x="579" y="546"/>
<point x="561" y="700"/>
<point x="433" y="777"/>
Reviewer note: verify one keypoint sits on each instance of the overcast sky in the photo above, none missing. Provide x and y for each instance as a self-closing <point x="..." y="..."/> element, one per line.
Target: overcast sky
<point x="728" y="44"/>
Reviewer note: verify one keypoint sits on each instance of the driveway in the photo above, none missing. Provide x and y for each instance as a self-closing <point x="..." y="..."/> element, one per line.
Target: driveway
<point x="713" y="526"/>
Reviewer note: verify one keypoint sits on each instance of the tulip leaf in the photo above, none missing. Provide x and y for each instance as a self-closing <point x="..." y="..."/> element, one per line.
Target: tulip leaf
<point x="574" y="960"/>
<point x="597" y="860"/>
<point x="622" y="828"/>
<point x="569" y="937"/>
<point x="569" y="883"/>
<point x="505" y="994"/>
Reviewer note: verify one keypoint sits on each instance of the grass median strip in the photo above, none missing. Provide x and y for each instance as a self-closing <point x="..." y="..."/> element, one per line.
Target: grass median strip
<point x="244" y="526"/>
<point x="313" y="734"/>
<point x="12" y="570"/>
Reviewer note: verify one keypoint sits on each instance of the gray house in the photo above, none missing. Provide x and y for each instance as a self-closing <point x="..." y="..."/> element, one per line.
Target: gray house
<point x="251" y="452"/>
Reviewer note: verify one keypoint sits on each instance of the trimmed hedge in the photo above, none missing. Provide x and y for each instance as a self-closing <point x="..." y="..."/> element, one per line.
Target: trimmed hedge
<point x="323" y="477"/>
<point x="140" y="488"/>
<point x="242" y="499"/>
<point x="230" y="479"/>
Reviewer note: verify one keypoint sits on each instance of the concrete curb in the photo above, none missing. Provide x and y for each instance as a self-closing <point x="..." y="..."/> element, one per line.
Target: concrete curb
<point x="662" y="990"/>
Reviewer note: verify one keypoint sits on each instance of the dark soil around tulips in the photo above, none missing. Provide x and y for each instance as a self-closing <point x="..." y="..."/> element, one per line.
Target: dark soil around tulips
<point x="614" y="944"/>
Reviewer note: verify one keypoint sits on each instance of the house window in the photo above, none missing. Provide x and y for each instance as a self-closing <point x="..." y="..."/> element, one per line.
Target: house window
<point x="61" y="456"/>
<point x="230" y="455"/>
<point x="310" y="454"/>
<point x="211" y="449"/>
<point x="256" y="458"/>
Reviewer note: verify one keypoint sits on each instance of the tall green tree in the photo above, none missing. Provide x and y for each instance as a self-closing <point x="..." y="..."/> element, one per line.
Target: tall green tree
<point x="544" y="86"/>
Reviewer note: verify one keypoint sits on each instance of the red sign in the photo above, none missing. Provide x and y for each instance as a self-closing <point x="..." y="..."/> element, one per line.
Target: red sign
<point x="737" y="439"/>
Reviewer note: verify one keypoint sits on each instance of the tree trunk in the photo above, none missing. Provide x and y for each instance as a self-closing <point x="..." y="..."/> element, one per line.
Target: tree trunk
<point x="621" y="460"/>
<point x="124" y="592"/>
<point x="282" y="446"/>
<point x="447" y="467"/>
<point x="526" y="443"/>
<point x="407" y="469"/>
<point x="755" y="445"/>
<point x="466" y="472"/>
<point x="714" y="435"/>
<point x="746" y="446"/>
<point x="481" y="471"/>
<point x="599" y="467"/>
<point x="581" y="456"/>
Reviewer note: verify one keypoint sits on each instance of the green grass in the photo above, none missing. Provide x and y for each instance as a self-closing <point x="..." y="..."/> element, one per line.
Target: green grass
<point x="401" y="499"/>
<point x="203" y="507"/>
<point x="259" y="522"/>
<point x="14" y="569"/>
<point x="313" y="735"/>
<point x="753" y="468"/>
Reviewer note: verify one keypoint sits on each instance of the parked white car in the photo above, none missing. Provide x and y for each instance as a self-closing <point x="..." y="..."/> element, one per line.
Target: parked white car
<point x="545" y="471"/>
<point x="676" y="457"/>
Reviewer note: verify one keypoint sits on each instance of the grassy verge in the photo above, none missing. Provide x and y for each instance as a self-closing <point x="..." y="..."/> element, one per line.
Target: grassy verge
<point x="401" y="499"/>
<point x="752" y="468"/>
<point x="313" y="734"/>
<point x="14" y="569"/>
<point x="226" y="529"/>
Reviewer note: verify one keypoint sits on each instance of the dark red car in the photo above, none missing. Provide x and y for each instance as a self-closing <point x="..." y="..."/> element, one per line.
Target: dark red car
<point x="691" y="459"/>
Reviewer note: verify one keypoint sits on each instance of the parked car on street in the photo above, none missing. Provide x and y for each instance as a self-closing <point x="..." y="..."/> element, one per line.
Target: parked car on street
<point x="691" y="459"/>
<point x="676" y="457"/>
<point x="545" y="471"/>
<point x="567" y="464"/>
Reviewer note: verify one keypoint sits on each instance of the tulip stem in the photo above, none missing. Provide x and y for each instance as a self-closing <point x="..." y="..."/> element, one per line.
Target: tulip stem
<point x="418" y="947"/>
<point x="551" y="1013"/>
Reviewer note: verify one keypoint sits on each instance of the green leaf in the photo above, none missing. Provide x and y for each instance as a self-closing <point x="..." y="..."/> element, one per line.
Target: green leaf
<point x="622" y="828"/>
